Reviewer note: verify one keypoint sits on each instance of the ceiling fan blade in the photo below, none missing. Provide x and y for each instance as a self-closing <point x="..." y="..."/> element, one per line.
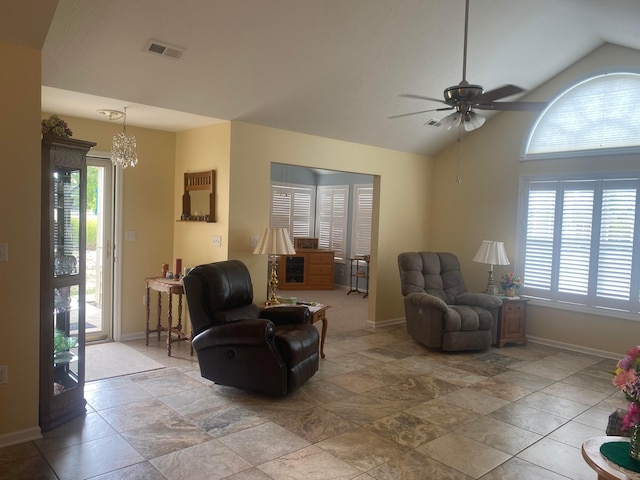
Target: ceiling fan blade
<point x="513" y="106"/>
<point x="500" y="92"/>
<point x="420" y="97"/>
<point x="418" y="113"/>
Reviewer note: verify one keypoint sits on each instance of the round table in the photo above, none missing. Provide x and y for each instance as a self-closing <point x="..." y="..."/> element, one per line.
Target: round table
<point x="606" y="469"/>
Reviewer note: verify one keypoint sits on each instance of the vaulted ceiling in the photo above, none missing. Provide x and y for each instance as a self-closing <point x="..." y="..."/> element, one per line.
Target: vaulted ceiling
<point x="332" y="68"/>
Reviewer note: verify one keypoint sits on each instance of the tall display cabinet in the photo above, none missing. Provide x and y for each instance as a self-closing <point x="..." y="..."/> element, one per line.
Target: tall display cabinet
<point x="62" y="277"/>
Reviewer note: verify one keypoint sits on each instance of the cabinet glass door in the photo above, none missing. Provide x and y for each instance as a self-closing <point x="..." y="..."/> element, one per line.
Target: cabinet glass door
<point x="68" y="291"/>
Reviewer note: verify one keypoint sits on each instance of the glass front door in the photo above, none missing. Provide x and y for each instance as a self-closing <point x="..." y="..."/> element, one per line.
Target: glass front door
<point x="100" y="200"/>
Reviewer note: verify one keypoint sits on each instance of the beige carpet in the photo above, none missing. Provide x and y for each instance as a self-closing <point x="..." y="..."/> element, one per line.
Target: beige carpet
<point x="113" y="359"/>
<point x="347" y="312"/>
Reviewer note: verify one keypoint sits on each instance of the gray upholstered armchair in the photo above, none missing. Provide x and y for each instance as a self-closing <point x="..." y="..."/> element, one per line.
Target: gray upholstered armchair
<point x="439" y="311"/>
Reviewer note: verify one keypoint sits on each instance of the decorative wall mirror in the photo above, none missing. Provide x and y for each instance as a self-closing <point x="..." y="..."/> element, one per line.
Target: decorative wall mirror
<point x="198" y="199"/>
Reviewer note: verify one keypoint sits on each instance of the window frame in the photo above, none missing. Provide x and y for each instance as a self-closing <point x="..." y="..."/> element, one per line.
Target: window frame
<point x="593" y="303"/>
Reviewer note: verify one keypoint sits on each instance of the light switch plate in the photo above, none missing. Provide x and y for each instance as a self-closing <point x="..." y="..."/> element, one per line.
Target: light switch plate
<point x="4" y="252"/>
<point x="217" y="241"/>
<point x="130" y="236"/>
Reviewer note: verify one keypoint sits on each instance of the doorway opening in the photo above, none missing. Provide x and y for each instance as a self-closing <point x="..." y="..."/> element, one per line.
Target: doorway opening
<point x="100" y="249"/>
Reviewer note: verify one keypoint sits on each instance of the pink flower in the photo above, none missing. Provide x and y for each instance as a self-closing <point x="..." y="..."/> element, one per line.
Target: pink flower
<point x="634" y="353"/>
<point x="632" y="418"/>
<point x="624" y="378"/>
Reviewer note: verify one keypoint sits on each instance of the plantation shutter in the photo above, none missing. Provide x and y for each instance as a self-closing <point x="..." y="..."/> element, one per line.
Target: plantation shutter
<point x="331" y="219"/>
<point x="617" y="230"/>
<point x="575" y="240"/>
<point x="291" y="208"/>
<point x="580" y="242"/>
<point x="362" y="213"/>
<point x="539" y="237"/>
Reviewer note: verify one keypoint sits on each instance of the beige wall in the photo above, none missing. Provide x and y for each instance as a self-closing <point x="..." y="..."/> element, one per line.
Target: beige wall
<point x="402" y="202"/>
<point x="20" y="228"/>
<point x="484" y="205"/>
<point x="148" y="208"/>
<point x="198" y="150"/>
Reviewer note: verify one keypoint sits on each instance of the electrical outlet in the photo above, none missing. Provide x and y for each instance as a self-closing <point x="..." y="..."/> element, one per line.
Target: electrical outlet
<point x="4" y="374"/>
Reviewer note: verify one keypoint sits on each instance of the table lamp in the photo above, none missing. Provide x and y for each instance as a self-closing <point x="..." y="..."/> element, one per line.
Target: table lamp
<point x="491" y="253"/>
<point x="274" y="242"/>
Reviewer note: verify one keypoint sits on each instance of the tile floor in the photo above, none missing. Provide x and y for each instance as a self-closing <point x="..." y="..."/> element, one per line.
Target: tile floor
<point x="380" y="407"/>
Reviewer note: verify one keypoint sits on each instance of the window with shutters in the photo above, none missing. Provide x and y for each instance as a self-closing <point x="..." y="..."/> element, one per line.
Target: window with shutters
<point x="362" y="212"/>
<point x="581" y="244"/>
<point x="292" y="207"/>
<point x="331" y="219"/>
<point x="579" y="237"/>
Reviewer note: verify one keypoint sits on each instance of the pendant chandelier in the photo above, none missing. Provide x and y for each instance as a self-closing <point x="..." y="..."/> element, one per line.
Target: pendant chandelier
<point x="123" y="150"/>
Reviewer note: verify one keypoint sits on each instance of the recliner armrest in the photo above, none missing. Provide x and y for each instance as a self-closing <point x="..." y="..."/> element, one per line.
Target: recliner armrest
<point x="242" y="332"/>
<point x="287" y="315"/>
<point x="424" y="299"/>
<point x="476" y="299"/>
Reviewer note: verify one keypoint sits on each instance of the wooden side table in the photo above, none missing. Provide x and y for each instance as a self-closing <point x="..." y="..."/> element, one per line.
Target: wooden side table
<point x="356" y="273"/>
<point x="319" y="314"/>
<point x="606" y="469"/>
<point x="170" y="287"/>
<point x="512" y="321"/>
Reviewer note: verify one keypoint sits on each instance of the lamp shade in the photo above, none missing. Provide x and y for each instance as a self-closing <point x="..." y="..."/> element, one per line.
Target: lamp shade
<point x="275" y="241"/>
<point x="492" y="253"/>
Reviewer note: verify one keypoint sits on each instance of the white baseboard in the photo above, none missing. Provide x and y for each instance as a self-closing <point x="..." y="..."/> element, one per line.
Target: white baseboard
<point x="132" y="336"/>
<point x="574" y="348"/>
<point x="20" y="436"/>
<point x="386" y="323"/>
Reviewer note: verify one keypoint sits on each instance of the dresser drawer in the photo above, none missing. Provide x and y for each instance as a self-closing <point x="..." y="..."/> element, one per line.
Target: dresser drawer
<point x="320" y="269"/>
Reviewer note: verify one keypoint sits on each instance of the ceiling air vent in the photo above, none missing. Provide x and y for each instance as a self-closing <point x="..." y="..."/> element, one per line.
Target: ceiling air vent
<point x="164" y="49"/>
<point x="434" y="123"/>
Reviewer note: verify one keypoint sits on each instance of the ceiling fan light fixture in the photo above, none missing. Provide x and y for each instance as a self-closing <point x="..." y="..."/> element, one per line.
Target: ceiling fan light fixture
<point x="472" y="121"/>
<point x="452" y="120"/>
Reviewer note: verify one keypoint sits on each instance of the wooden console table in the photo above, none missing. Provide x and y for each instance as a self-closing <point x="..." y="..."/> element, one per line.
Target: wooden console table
<point x="171" y="288"/>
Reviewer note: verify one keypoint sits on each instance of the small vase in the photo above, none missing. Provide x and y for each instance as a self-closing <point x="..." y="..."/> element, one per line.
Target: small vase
<point x="634" y="443"/>
<point x="510" y="292"/>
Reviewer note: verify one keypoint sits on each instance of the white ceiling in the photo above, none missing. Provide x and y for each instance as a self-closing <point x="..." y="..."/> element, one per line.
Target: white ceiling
<point x="332" y="68"/>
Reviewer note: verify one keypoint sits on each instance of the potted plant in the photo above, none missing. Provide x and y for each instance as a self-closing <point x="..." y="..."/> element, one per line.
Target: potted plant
<point x="510" y="283"/>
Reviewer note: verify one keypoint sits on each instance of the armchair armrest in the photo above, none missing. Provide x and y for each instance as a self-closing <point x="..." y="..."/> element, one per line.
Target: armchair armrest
<point x="240" y="333"/>
<point x="287" y="315"/>
<point x="476" y="299"/>
<point x="426" y="300"/>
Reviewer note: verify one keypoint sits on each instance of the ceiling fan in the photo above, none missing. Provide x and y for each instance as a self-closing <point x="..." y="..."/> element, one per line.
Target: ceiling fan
<point x="465" y="97"/>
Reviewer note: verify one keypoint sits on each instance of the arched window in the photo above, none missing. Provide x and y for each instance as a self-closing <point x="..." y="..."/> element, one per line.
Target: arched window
<point x="579" y="234"/>
<point x="597" y="115"/>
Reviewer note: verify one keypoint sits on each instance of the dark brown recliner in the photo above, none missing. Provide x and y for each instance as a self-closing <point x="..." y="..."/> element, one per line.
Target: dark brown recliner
<point x="272" y="351"/>
<point x="439" y="311"/>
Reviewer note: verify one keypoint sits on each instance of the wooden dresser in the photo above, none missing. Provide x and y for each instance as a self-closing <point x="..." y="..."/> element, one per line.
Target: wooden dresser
<point x="306" y="270"/>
